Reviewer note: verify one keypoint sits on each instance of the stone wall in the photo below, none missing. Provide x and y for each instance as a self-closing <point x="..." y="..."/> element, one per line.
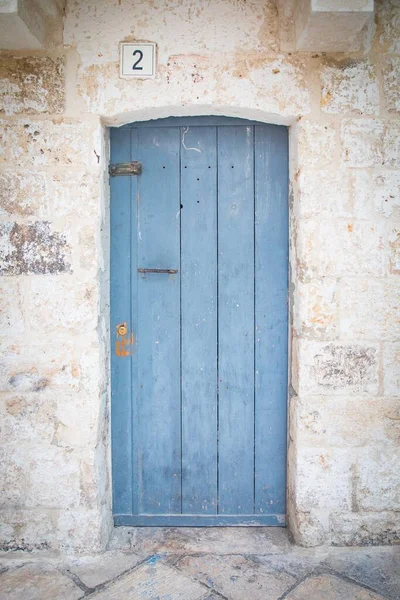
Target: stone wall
<point x="215" y="57"/>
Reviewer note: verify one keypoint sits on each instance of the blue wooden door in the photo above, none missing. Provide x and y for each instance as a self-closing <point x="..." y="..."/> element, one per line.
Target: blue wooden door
<point x="199" y="279"/>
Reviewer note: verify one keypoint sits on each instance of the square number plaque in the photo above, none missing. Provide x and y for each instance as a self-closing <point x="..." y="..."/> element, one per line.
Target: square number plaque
<point x="138" y="60"/>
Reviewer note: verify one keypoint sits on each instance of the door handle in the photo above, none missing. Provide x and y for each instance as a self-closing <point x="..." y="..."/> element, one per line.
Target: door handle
<point x="166" y="271"/>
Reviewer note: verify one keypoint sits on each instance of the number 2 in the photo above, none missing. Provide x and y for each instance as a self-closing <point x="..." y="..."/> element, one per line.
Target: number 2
<point x="135" y="67"/>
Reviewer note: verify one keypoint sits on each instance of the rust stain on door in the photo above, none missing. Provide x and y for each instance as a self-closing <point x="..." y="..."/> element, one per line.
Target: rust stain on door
<point x="124" y="342"/>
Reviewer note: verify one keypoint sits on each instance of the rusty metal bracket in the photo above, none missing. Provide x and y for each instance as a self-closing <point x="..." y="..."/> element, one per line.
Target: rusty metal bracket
<point x="129" y="168"/>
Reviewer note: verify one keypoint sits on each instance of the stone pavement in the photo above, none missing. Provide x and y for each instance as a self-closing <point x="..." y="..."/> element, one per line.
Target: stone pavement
<point x="204" y="564"/>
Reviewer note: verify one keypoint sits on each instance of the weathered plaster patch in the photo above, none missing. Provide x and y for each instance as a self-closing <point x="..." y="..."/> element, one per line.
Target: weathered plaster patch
<point x="27" y="249"/>
<point x="344" y="366"/>
<point x="23" y="194"/>
<point x="349" y="86"/>
<point x="31" y="84"/>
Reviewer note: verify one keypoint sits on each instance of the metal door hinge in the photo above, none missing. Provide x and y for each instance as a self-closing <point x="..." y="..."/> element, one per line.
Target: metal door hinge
<point x="129" y="168"/>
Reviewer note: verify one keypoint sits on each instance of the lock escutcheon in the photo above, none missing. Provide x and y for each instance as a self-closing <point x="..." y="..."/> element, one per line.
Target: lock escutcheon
<point x="122" y="329"/>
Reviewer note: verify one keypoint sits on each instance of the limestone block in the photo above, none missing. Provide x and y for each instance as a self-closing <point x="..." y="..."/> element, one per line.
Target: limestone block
<point x="74" y="194"/>
<point x="307" y="248"/>
<point x="53" y="477"/>
<point x="24" y="529"/>
<point x="56" y="142"/>
<point x="11" y="311"/>
<point x="23" y="195"/>
<point x="365" y="528"/>
<point x="225" y="27"/>
<point x="310" y="528"/>
<point x="336" y="248"/>
<point x="387" y="27"/>
<point x="391" y="369"/>
<point x="378" y="489"/>
<point x="315" y="309"/>
<point x="61" y="304"/>
<point x="391" y="144"/>
<point x="344" y="422"/>
<point x="89" y="247"/>
<point x="94" y="476"/>
<point x="275" y="84"/>
<point x="334" y="193"/>
<point x="27" y="418"/>
<point x="31" y="25"/>
<point x="337" y="369"/>
<point x="362" y="142"/>
<point x="32" y="249"/>
<point x="323" y="192"/>
<point x="13" y="475"/>
<point x="317" y="143"/>
<point x="92" y="373"/>
<point x="76" y="420"/>
<point x="385" y="189"/>
<point x="31" y="84"/>
<point x="323" y="479"/>
<point x="394" y="249"/>
<point x="370" y="309"/>
<point x="349" y="86"/>
<point x="330" y="26"/>
<point x="37" y="369"/>
<point x="82" y="530"/>
<point x="391" y="77"/>
<point x="351" y="247"/>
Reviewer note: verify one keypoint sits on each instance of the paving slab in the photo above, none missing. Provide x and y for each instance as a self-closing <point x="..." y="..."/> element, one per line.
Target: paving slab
<point x="96" y="570"/>
<point x="377" y="567"/>
<point x="297" y="563"/>
<point x="237" y="577"/>
<point x="153" y="581"/>
<point x="37" y="582"/>
<point x="331" y="588"/>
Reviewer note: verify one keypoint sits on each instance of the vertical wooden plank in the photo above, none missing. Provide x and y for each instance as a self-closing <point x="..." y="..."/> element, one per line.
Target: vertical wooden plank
<point x="158" y="341"/>
<point x="236" y="319"/>
<point x="199" y="319"/>
<point x="134" y="321"/>
<point x="271" y="260"/>
<point x="120" y="299"/>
